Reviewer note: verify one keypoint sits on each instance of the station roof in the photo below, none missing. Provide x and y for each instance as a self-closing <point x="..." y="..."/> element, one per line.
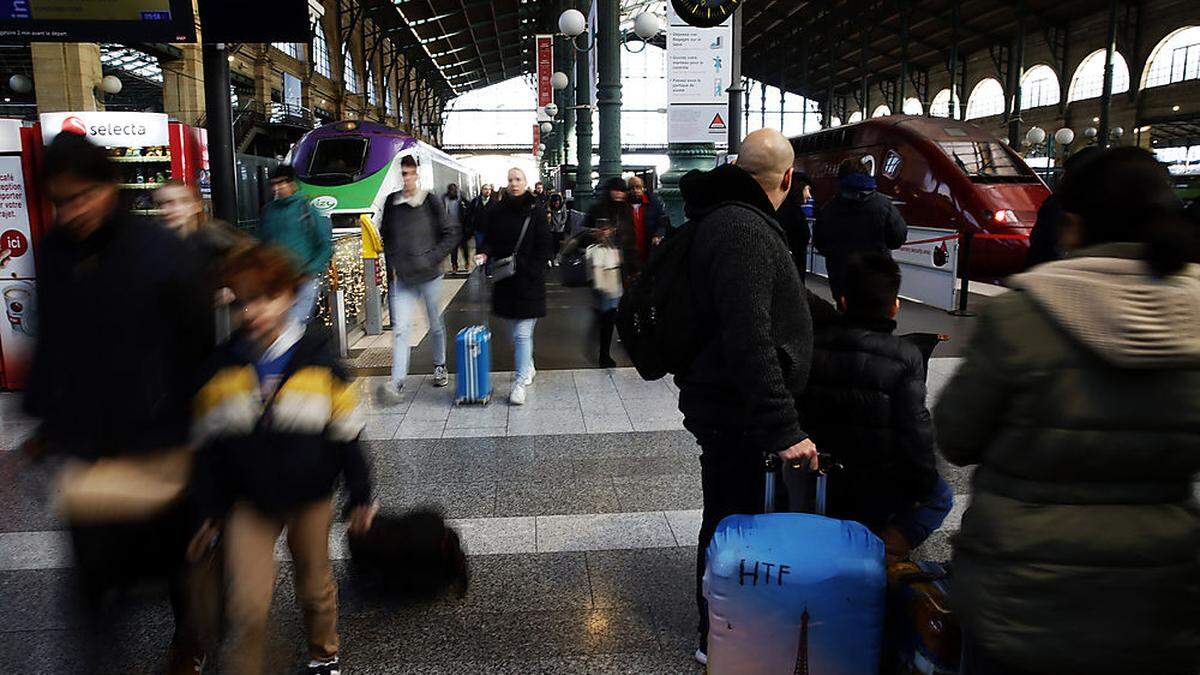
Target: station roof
<point x="774" y="33"/>
<point x="472" y="43"/>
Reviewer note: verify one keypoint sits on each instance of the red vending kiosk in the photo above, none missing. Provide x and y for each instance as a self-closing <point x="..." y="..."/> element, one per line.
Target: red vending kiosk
<point x="20" y="230"/>
<point x="148" y="148"/>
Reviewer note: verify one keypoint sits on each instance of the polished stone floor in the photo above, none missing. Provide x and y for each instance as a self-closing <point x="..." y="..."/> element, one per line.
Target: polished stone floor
<point x="579" y="513"/>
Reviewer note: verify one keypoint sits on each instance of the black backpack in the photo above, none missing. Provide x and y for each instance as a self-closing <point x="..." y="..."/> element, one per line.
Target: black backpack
<point x="654" y="319"/>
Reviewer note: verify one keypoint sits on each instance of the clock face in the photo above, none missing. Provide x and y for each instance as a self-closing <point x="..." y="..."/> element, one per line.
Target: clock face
<point x="704" y="13"/>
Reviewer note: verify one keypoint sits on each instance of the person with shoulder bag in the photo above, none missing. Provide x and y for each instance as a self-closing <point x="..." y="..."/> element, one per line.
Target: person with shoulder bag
<point x="517" y="244"/>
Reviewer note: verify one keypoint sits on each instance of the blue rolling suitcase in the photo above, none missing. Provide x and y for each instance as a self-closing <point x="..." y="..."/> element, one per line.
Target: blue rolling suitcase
<point x="794" y="592"/>
<point x="473" y="349"/>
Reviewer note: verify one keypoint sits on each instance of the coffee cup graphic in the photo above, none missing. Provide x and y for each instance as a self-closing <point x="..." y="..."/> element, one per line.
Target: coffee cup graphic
<point x="18" y="306"/>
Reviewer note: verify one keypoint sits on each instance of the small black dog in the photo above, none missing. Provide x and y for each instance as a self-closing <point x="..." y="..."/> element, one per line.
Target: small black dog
<point x="413" y="556"/>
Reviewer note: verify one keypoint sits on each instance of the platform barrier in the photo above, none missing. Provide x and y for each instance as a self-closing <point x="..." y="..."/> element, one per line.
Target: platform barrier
<point x="929" y="263"/>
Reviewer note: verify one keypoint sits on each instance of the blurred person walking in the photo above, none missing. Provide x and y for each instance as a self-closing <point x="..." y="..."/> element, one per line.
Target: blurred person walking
<point x="560" y="219"/>
<point x="295" y="224"/>
<point x="517" y="240"/>
<point x="417" y="236"/>
<point x="112" y="391"/>
<point x="739" y="397"/>
<point x="457" y="209"/>
<point x="1080" y="550"/>
<point x="857" y="220"/>
<point x="278" y="424"/>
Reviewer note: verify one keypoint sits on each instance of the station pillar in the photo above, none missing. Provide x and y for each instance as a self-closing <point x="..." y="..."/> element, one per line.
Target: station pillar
<point x="608" y="90"/>
<point x="183" y="85"/>
<point x="684" y="157"/>
<point x="65" y="76"/>
<point x="583" y="124"/>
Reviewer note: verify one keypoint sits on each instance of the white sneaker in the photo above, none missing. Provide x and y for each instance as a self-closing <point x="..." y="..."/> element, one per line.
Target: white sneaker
<point x="518" y="394"/>
<point x="701" y="657"/>
<point x="532" y="374"/>
<point x="440" y="378"/>
<point x="389" y="395"/>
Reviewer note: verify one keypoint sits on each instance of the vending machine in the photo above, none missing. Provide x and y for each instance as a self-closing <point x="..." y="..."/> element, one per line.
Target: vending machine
<point x="149" y="148"/>
<point x="21" y="220"/>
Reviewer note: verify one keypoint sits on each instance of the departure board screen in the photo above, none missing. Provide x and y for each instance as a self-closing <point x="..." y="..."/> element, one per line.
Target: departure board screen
<point x="97" y="20"/>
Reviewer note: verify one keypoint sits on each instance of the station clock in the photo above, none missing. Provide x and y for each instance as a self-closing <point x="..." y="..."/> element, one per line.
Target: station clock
<point x="705" y="13"/>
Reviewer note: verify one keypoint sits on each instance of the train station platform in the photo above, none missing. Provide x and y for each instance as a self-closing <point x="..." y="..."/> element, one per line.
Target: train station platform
<point x="579" y="511"/>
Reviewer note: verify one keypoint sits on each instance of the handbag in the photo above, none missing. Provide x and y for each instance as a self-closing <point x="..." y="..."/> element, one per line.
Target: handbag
<point x="123" y="489"/>
<point x="503" y="268"/>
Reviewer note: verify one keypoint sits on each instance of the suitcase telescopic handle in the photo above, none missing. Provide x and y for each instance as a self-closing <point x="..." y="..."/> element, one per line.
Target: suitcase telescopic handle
<point x="773" y="464"/>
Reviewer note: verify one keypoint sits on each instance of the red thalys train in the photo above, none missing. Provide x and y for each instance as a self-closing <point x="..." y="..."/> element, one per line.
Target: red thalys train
<point x="940" y="173"/>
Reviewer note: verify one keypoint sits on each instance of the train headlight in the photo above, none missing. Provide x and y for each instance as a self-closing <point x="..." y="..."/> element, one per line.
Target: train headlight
<point x="1002" y="217"/>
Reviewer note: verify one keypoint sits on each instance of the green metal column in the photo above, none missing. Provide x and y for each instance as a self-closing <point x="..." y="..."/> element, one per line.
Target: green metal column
<point x="566" y="99"/>
<point x="583" y="123"/>
<point x="608" y="90"/>
<point x="684" y="157"/>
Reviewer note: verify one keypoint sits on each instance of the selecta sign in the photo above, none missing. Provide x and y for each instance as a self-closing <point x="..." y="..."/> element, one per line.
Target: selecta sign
<point x="110" y="129"/>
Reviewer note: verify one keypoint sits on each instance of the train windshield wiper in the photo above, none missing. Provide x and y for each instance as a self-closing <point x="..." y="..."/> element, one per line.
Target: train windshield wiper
<point x="962" y="165"/>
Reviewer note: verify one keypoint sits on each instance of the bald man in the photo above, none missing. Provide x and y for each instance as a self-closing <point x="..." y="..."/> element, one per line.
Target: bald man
<point x="756" y="335"/>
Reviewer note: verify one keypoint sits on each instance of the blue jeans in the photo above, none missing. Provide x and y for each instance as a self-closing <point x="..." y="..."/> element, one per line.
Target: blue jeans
<point x="522" y="330"/>
<point x="306" y="300"/>
<point x="401" y="299"/>
<point x="917" y="523"/>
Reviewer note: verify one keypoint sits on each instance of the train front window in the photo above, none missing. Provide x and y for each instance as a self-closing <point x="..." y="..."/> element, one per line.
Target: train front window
<point x="337" y="161"/>
<point x="987" y="161"/>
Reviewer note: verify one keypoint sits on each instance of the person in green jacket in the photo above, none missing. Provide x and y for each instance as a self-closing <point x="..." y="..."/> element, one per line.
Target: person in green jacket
<point x="293" y="223"/>
<point x="1079" y="400"/>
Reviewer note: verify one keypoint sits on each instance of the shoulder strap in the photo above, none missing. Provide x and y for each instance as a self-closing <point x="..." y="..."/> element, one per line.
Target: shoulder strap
<point x="524" y="227"/>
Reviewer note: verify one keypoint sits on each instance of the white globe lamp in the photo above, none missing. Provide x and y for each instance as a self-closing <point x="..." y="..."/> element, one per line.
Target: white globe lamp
<point x="646" y="25"/>
<point x="111" y="84"/>
<point x="547" y="127"/>
<point x="572" y="23"/>
<point x="1090" y="132"/>
<point x="551" y="110"/>
<point x="1035" y="136"/>
<point x="1064" y="136"/>
<point x="559" y="80"/>
<point x="20" y="84"/>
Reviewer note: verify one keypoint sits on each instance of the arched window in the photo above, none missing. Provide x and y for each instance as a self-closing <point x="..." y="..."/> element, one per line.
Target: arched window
<point x="1039" y="87"/>
<point x="321" y="61"/>
<point x="912" y="106"/>
<point x="292" y="49"/>
<point x="349" y="75"/>
<point x="987" y="99"/>
<point x="389" y="101"/>
<point x="1175" y="59"/>
<point x="940" y="105"/>
<point x="372" y="97"/>
<point x="882" y="111"/>
<point x="1088" y="81"/>
<point x="855" y="116"/>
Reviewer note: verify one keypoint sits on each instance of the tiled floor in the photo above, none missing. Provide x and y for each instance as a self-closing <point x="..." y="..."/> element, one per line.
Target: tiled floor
<point x="579" y="512"/>
<point x="559" y="402"/>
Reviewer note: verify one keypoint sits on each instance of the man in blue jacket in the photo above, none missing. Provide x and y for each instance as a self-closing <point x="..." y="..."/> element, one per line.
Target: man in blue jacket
<point x="294" y="224"/>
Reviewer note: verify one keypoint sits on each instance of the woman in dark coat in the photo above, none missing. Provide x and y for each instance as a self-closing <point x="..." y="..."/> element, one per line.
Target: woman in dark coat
<point x="1079" y="400"/>
<point x="520" y="298"/>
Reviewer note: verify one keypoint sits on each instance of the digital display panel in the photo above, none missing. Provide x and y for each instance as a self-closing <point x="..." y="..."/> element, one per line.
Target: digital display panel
<point x="97" y="20"/>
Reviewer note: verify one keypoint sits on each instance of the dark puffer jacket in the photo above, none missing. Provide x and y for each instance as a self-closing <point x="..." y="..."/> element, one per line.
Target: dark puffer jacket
<point x="857" y="220"/>
<point x="1079" y="399"/>
<point x="754" y="319"/>
<point x="865" y="405"/>
<point x="523" y="295"/>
